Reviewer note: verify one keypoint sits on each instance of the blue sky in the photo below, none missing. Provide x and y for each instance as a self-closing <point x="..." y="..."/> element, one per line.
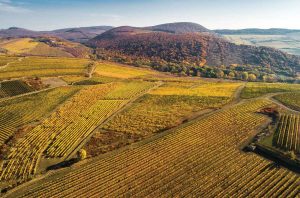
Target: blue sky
<point x="213" y="14"/>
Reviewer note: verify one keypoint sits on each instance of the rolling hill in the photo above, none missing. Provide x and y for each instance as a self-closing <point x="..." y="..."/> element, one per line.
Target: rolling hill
<point x="80" y="34"/>
<point x="179" y="45"/>
<point x="179" y="28"/>
<point x="43" y="46"/>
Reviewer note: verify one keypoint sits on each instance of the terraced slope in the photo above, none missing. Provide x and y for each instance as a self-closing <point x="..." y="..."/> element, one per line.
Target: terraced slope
<point x="199" y="159"/>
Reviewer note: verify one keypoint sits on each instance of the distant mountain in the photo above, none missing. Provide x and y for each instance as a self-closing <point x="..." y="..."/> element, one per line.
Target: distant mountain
<point x="256" y="31"/>
<point x="179" y="28"/>
<point x="81" y="34"/>
<point x="18" y="32"/>
<point x="174" y="28"/>
<point x="152" y="47"/>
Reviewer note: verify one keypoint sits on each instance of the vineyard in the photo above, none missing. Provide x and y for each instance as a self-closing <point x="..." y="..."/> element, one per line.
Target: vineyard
<point x="253" y="90"/>
<point x="160" y="135"/>
<point x="291" y="100"/>
<point x="159" y="110"/>
<point x="13" y="88"/>
<point x="65" y="128"/>
<point x="119" y="71"/>
<point x="287" y="134"/>
<point x="38" y="66"/>
<point x="203" y="89"/>
<point x="21" y="111"/>
<point x="213" y="167"/>
<point x="6" y="59"/>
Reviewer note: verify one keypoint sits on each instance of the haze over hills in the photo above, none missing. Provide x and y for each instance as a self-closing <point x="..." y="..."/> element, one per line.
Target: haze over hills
<point x="287" y="40"/>
<point x="257" y="31"/>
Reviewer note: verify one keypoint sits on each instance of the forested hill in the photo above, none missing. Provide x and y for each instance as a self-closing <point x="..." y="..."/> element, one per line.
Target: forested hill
<point x="162" y="49"/>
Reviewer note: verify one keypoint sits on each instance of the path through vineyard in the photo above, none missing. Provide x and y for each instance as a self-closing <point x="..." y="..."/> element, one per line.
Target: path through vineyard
<point x="200" y="158"/>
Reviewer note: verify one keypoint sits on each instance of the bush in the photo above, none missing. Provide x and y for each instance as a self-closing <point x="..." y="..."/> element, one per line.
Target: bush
<point x="81" y="154"/>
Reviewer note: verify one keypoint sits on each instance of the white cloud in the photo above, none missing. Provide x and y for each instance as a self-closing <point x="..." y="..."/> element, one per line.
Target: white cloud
<point x="9" y="7"/>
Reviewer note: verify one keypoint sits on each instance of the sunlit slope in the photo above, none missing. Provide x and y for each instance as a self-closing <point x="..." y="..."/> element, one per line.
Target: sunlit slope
<point x="48" y="46"/>
<point x="41" y="66"/>
<point x="198" y="159"/>
<point x="120" y="71"/>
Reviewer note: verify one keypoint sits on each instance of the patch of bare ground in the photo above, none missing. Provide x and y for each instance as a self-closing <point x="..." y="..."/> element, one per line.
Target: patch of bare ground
<point x="53" y="82"/>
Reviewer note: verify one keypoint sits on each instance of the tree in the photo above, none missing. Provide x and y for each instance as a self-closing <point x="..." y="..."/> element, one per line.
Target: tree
<point x="81" y="154"/>
<point x="231" y="75"/>
<point x="252" y="77"/>
<point x="219" y="73"/>
<point x="245" y="75"/>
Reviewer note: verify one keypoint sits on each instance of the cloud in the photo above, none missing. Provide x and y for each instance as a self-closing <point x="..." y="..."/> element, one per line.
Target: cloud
<point x="9" y="7"/>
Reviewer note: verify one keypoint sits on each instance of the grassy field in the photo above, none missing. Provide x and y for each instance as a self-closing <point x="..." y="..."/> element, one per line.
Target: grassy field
<point x="288" y="43"/>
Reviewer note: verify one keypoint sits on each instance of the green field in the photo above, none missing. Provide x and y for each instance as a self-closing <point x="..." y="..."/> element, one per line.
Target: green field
<point x="289" y="43"/>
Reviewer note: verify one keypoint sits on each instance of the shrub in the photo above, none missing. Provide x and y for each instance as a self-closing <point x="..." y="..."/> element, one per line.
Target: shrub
<point x="81" y="154"/>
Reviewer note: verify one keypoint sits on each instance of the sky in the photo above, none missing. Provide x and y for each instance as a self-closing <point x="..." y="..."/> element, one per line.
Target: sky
<point x="213" y="14"/>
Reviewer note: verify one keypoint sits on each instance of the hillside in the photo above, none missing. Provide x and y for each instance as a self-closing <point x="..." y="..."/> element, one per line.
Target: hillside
<point x="81" y="34"/>
<point x="44" y="46"/>
<point x="179" y="28"/>
<point x="15" y="32"/>
<point x="181" y="53"/>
